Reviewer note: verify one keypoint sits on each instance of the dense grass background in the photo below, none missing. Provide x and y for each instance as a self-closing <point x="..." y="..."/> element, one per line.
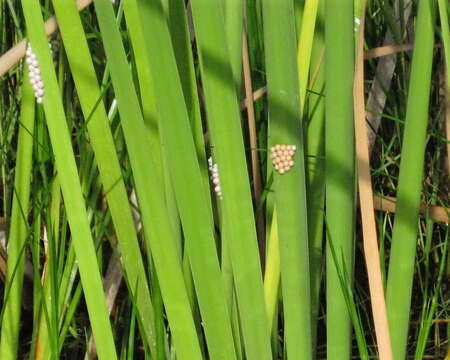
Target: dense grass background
<point x="110" y="227"/>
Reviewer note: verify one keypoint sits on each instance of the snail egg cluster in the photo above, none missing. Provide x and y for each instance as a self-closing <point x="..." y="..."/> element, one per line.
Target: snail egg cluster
<point x="35" y="74"/>
<point x="214" y="170"/>
<point x="281" y="156"/>
<point x="357" y="24"/>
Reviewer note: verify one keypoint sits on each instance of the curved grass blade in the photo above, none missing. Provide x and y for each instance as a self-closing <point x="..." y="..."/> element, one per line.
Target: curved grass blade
<point x="183" y="163"/>
<point x="181" y="43"/>
<point x="179" y="31"/>
<point x="106" y="158"/>
<point x="70" y="185"/>
<point x="158" y="230"/>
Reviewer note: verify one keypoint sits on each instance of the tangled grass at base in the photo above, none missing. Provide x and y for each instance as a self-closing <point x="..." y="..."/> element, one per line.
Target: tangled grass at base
<point x="180" y="179"/>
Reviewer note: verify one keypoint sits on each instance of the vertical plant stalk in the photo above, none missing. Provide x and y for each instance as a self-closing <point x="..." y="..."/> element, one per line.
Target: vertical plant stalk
<point x="340" y="169"/>
<point x="305" y="44"/>
<point x="401" y="264"/>
<point x="447" y="116"/>
<point x="315" y="165"/>
<point x="369" y="229"/>
<point x="445" y="28"/>
<point x="290" y="191"/>
<point x="18" y="232"/>
<point x="70" y="185"/>
<point x="311" y="73"/>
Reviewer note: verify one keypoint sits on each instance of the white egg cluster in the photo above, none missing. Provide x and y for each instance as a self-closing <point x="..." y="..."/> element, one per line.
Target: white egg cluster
<point x="357" y="24"/>
<point x="214" y="170"/>
<point x="281" y="156"/>
<point x="35" y="74"/>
